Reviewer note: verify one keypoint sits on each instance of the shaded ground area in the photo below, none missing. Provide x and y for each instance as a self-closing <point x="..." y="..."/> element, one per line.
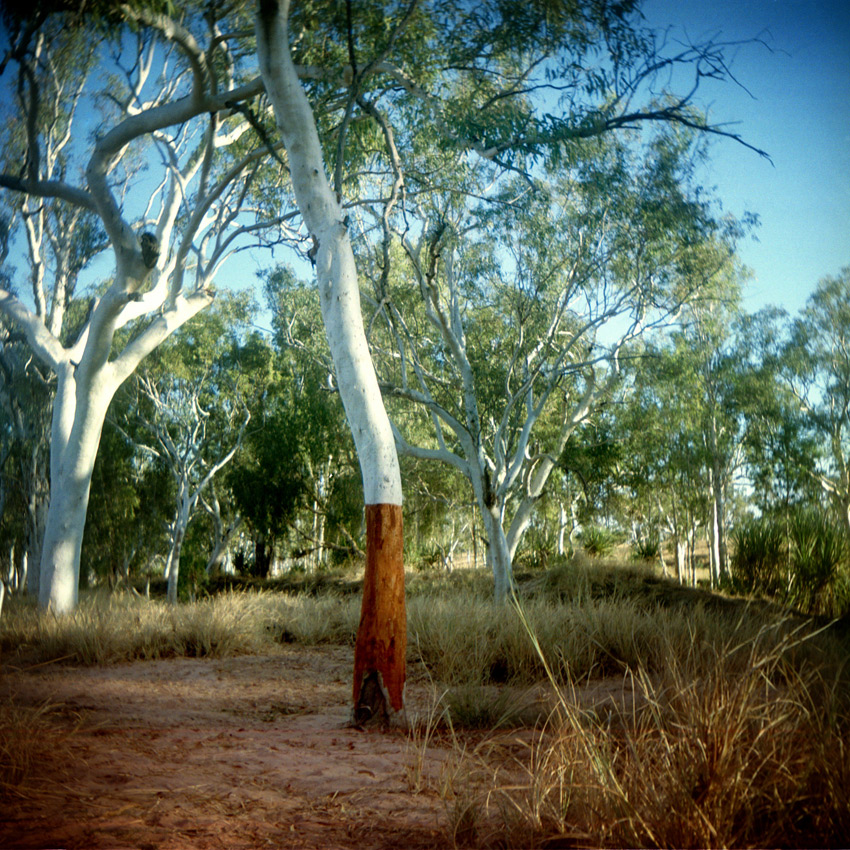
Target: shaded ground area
<point x="225" y="754"/>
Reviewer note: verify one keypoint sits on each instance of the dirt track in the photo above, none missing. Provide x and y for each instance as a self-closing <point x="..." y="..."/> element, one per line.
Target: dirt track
<point x="226" y="754"/>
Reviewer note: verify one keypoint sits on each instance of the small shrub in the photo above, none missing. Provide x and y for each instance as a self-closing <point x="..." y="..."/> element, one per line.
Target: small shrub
<point x="759" y="556"/>
<point x="597" y="540"/>
<point x="819" y="554"/>
<point x="647" y="547"/>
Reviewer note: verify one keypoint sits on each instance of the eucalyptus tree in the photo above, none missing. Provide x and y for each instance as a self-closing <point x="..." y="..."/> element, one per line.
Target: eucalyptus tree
<point x="518" y="340"/>
<point x="193" y="404"/>
<point x="663" y="460"/>
<point x="781" y="448"/>
<point x="817" y="371"/>
<point x="298" y="446"/>
<point x="472" y="80"/>
<point x="706" y="339"/>
<point x="25" y="394"/>
<point x="134" y="134"/>
<point x="126" y="528"/>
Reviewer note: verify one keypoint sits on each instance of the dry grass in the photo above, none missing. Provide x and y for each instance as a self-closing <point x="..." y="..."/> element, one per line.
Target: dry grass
<point x="732" y="732"/>
<point x="470" y="640"/>
<point x="111" y="628"/>
<point x="29" y="738"/>
<point x="728" y="745"/>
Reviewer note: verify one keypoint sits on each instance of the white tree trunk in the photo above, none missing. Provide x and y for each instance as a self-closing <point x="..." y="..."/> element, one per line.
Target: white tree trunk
<point x="681" y="560"/>
<point x="498" y="554"/>
<point x="335" y="267"/>
<point x="78" y="415"/>
<point x="172" y="566"/>
<point x="379" y="657"/>
<point x="562" y="529"/>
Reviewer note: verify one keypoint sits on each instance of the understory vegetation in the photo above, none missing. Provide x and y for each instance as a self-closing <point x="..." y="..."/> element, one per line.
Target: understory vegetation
<point x="717" y="721"/>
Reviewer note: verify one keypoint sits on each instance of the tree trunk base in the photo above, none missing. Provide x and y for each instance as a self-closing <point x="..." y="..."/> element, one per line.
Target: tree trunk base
<point x="381" y="648"/>
<point x="373" y="707"/>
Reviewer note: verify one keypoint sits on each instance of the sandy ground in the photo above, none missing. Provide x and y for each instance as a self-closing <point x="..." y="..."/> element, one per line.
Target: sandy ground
<point x="228" y="754"/>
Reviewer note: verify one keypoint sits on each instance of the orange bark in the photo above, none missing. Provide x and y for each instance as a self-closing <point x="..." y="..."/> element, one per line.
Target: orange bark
<point x="380" y="651"/>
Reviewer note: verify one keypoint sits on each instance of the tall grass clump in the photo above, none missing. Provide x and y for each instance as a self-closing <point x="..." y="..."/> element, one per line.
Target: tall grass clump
<point x="314" y="620"/>
<point x="29" y="740"/>
<point x="728" y="745"/>
<point x="803" y="561"/>
<point x="759" y="561"/>
<point x="819" y="556"/>
<point x="647" y="547"/>
<point x="586" y="624"/>
<point x="110" y="628"/>
<point x="597" y="540"/>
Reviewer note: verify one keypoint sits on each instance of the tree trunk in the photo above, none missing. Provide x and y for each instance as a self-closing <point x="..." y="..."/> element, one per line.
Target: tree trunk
<point x="718" y="508"/>
<point x="562" y="529"/>
<point x="498" y="554"/>
<point x="379" y="662"/>
<point x="262" y="557"/>
<point x="172" y="569"/>
<point x="381" y="647"/>
<point x="78" y="415"/>
<point x="23" y="573"/>
<point x="681" y="565"/>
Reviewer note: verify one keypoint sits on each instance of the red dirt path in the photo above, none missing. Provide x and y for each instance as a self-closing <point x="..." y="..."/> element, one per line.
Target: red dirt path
<point x="227" y="754"/>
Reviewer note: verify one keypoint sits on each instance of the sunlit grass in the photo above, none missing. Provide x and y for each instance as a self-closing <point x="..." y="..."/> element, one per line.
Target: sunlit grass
<point x="111" y="628"/>
<point x="727" y="746"/>
<point x="730" y="728"/>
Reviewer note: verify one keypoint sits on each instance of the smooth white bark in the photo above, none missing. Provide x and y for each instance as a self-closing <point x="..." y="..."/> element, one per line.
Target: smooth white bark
<point x="179" y="429"/>
<point x="507" y="479"/>
<point x="335" y="267"/>
<point x="193" y="214"/>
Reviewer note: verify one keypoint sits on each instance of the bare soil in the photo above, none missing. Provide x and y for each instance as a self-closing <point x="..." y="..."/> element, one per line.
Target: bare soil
<point x="228" y="754"/>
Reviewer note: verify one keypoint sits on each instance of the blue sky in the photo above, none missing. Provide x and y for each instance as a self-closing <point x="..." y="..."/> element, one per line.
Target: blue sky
<point x="797" y="108"/>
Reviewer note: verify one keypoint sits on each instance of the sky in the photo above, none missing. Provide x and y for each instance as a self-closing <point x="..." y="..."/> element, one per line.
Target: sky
<point x="794" y="103"/>
<point x="796" y="107"/>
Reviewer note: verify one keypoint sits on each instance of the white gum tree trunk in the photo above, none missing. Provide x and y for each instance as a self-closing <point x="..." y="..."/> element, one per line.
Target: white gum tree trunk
<point x="182" y="217"/>
<point x="379" y="664"/>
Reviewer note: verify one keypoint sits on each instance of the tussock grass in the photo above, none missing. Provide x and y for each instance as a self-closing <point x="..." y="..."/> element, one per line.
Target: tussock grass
<point x="470" y="640"/>
<point x="482" y="707"/>
<point x="28" y="739"/>
<point x="729" y="744"/>
<point x="106" y="629"/>
<point x="312" y="621"/>
<point x="111" y="628"/>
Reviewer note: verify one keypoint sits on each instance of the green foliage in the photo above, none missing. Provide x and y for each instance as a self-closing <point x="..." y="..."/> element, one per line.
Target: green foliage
<point x="801" y="559"/>
<point x="597" y="540"/>
<point x="759" y="559"/>
<point x="819" y="556"/>
<point x="647" y="547"/>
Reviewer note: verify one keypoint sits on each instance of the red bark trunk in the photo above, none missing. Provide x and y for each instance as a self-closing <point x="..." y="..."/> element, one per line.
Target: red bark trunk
<point x="380" y="651"/>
